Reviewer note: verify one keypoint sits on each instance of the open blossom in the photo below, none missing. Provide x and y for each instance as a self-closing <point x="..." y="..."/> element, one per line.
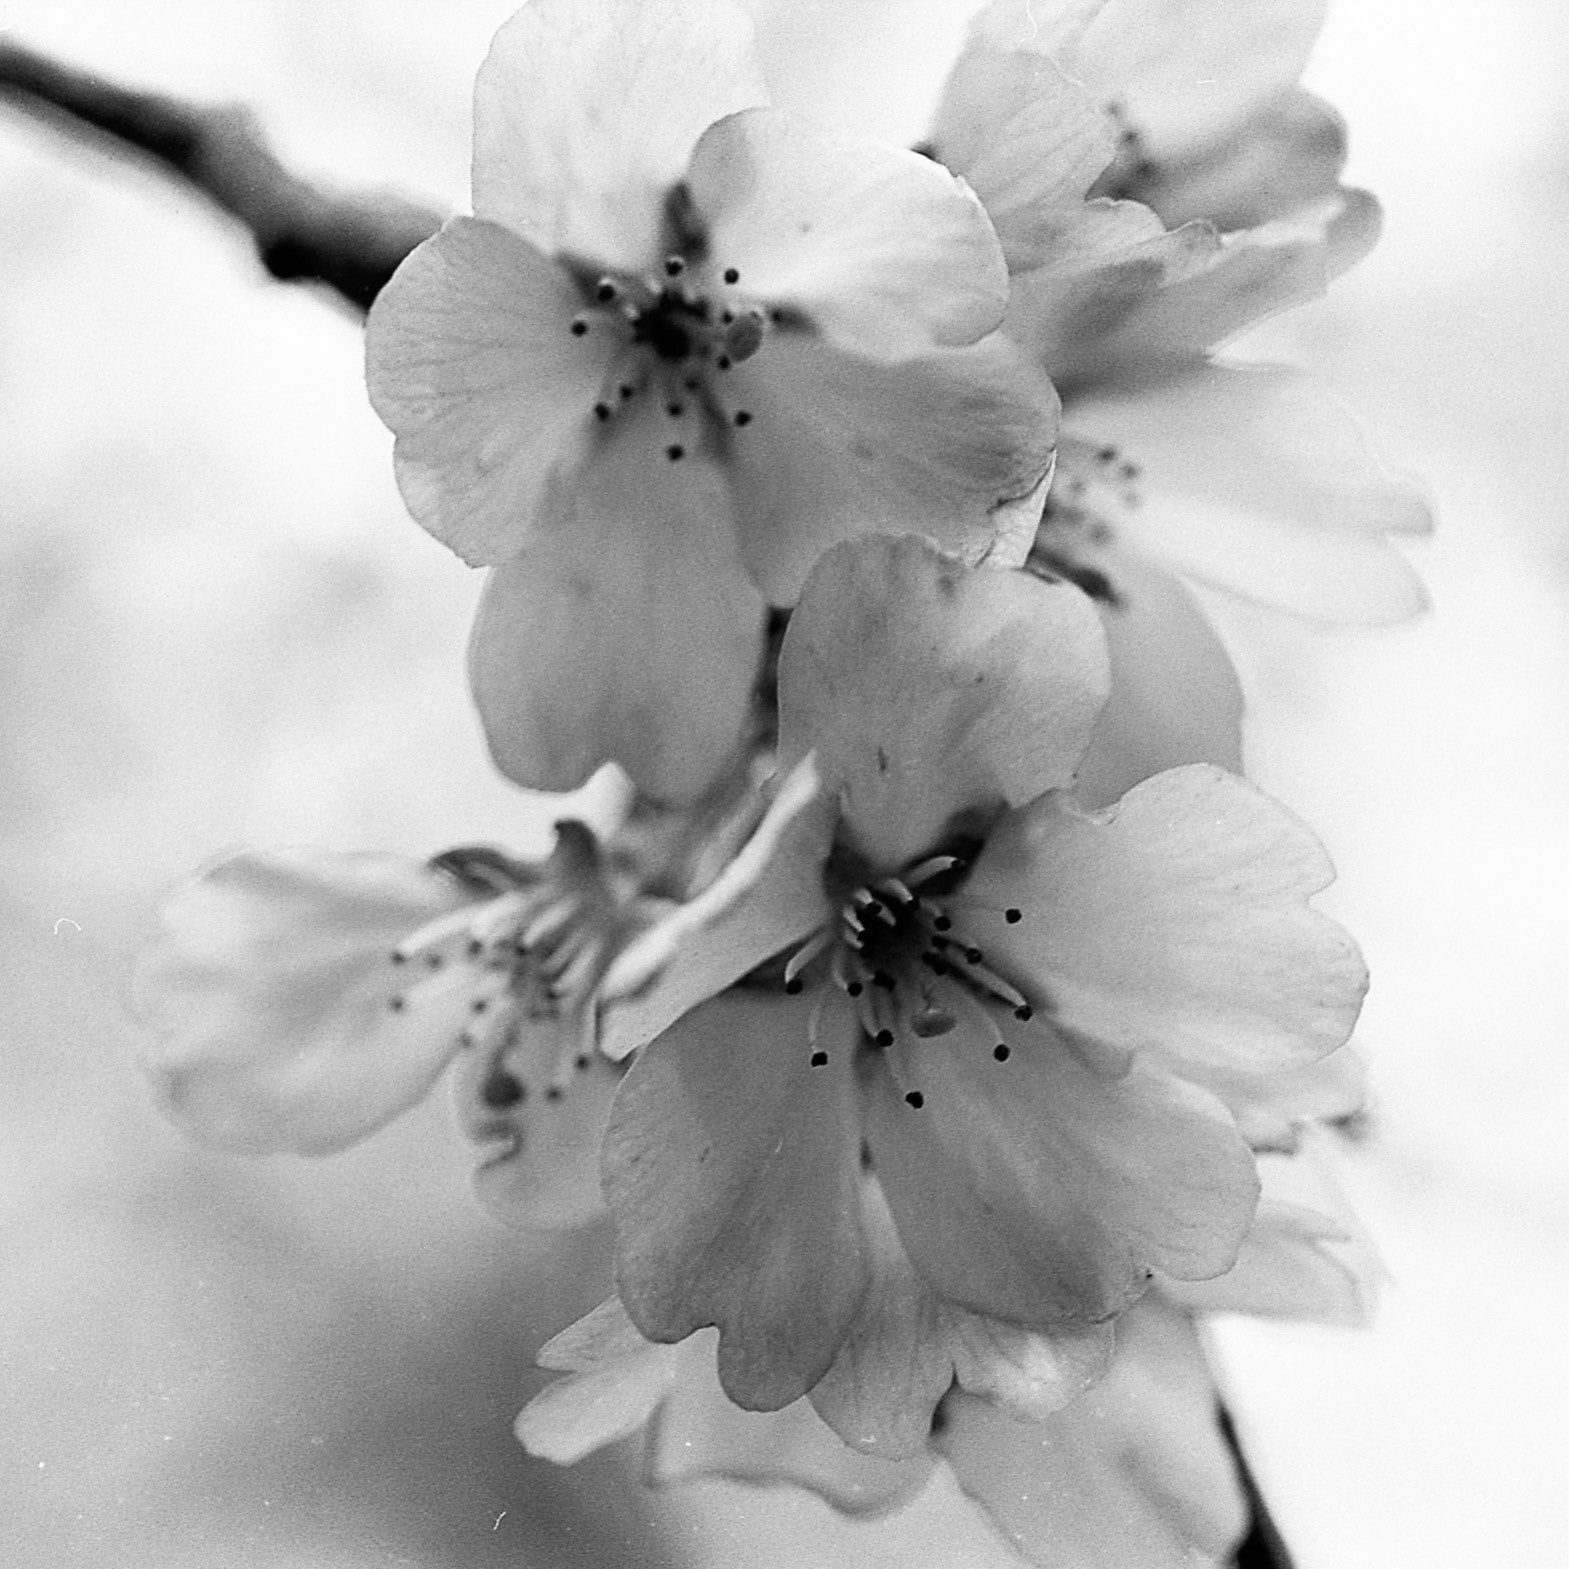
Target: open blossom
<point x="1087" y="129"/>
<point x="974" y="1080"/>
<point x="302" y="999"/>
<point x="686" y="342"/>
<point x="1132" y="1471"/>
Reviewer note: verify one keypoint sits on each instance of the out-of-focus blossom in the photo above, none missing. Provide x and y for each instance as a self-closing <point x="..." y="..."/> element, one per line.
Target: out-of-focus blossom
<point x="1131" y="1473"/>
<point x="685" y="343"/>
<point x="966" y="1075"/>
<point x="1159" y="182"/>
<point x="302" y="999"/>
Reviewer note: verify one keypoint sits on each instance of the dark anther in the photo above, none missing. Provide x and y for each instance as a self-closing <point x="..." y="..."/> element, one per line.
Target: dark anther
<point x="601" y="411"/>
<point x="674" y="266"/>
<point x="1024" y="1013"/>
<point x="854" y="989"/>
<point x="479" y="1005"/>
<point x="731" y="275"/>
<point x="581" y="1061"/>
<point x="819" y="1059"/>
<point x="723" y="362"/>
<point x="883" y="1038"/>
<point x="673" y="410"/>
<point x="579" y="328"/>
<point x="742" y="417"/>
<point x="1000" y="1052"/>
<point x="941" y="923"/>
<point x="625" y="391"/>
<point x="675" y="453"/>
<point x="915" y="1100"/>
<point x="1107" y="454"/>
<point x="726" y="317"/>
<point x="793" y="985"/>
<point x="476" y="947"/>
<point x="973" y="956"/>
<point x="553" y="1093"/>
<point x="1013" y="917"/>
<point x="501" y="1088"/>
<point x="399" y="958"/>
<point x="397" y="1004"/>
<point x="605" y="292"/>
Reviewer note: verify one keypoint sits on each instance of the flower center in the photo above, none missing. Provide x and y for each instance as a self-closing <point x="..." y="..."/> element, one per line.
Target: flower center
<point x="899" y="952"/>
<point x="676" y="337"/>
<point x="1093" y="490"/>
<point x="531" y="947"/>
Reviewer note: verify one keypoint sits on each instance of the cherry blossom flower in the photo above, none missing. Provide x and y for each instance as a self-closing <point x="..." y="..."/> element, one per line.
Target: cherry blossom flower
<point x="301" y="1000"/>
<point x="1131" y="1471"/>
<point x="974" y="1073"/>
<point x="686" y="342"/>
<point x="1088" y="126"/>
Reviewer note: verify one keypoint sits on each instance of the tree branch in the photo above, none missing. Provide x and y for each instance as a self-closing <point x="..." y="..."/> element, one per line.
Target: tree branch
<point x="350" y="241"/>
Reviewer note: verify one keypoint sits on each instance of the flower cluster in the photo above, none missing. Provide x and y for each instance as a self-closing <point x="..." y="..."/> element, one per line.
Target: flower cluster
<point x="941" y="1018"/>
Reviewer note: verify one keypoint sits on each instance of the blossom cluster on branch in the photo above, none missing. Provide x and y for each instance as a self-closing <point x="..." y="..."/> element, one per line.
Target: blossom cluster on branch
<point x="941" y="1018"/>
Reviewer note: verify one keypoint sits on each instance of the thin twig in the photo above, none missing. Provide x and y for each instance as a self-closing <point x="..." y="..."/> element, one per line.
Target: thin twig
<point x="350" y="241"/>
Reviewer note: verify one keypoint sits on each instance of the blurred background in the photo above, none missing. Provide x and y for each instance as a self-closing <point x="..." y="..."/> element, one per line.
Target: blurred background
<point x="218" y="628"/>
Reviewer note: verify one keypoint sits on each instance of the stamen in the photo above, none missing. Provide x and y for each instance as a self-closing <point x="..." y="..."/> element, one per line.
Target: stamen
<point x="675" y="452"/>
<point x="675" y="266"/>
<point x="731" y="275"/>
<point x="579" y="327"/>
<point x="742" y="417"/>
<point x="915" y="1100"/>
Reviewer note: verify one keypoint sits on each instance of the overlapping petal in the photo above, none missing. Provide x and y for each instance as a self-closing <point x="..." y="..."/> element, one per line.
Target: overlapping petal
<point x="1037" y="1190"/>
<point x="1184" y="72"/>
<point x="629" y="633"/>
<point x="470" y="363"/>
<point x="953" y="445"/>
<point x="618" y="1382"/>
<point x="270" y="991"/>
<point x="880" y="249"/>
<point x="539" y="1170"/>
<point x="1134" y="1474"/>
<point x="1028" y="141"/>
<point x="731" y="1163"/>
<point x="1258" y="482"/>
<point x="1306" y="1256"/>
<point x="928" y="691"/>
<point x="907" y="1347"/>
<point x="1174" y="696"/>
<point x="769" y="897"/>
<point x="1176" y="923"/>
<point x="586" y="113"/>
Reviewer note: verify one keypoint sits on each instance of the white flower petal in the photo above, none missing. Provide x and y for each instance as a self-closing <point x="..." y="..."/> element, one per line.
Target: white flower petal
<point x="629" y="632"/>
<point x="1176" y="923"/>
<point x="586" y="112"/>
<point x="881" y="249"/>
<point x="907" y="1347"/>
<point x="617" y="1379"/>
<point x="1134" y="1474"/>
<point x="699" y="1432"/>
<point x="1027" y="140"/>
<point x="541" y="1171"/>
<point x="1256" y="481"/>
<point x="731" y="1164"/>
<point x="768" y="897"/>
<point x="271" y="987"/>
<point x="1174" y="695"/>
<point x="1038" y="1190"/>
<point x="471" y="364"/>
<point x="927" y="689"/>
<point x="953" y="445"/>
<point x="1306" y="1257"/>
<point x="1184" y="72"/>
